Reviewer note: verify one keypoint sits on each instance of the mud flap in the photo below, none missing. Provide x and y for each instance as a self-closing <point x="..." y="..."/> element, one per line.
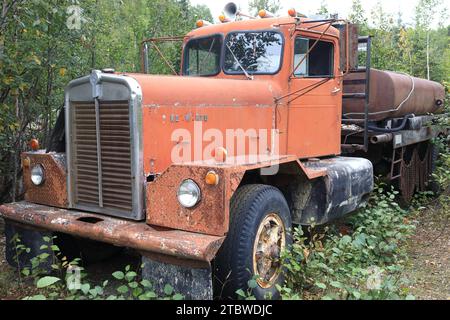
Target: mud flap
<point x="30" y="238"/>
<point x="192" y="281"/>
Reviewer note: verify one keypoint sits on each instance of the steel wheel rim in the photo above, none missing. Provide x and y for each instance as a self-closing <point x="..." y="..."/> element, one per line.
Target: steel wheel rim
<point x="270" y="241"/>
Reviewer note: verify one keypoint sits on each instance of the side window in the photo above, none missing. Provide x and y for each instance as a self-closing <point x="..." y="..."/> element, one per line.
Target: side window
<point x="318" y="63"/>
<point x="202" y="56"/>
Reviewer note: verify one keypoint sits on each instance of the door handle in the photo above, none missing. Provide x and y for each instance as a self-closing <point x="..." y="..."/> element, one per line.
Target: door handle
<point x="336" y="90"/>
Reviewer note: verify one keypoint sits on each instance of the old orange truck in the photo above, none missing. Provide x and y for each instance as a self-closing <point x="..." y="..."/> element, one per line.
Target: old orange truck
<point x="273" y="122"/>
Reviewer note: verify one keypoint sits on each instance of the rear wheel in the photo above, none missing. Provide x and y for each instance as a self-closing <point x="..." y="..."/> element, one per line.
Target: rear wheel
<point x="407" y="183"/>
<point x="419" y="163"/>
<point x="260" y="222"/>
<point x="433" y="185"/>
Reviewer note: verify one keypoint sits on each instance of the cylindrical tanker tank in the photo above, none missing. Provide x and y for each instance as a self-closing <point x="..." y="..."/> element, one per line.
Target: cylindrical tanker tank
<point x="392" y="95"/>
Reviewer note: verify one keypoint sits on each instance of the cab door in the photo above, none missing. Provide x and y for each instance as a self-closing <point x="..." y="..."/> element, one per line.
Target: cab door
<point x="315" y="102"/>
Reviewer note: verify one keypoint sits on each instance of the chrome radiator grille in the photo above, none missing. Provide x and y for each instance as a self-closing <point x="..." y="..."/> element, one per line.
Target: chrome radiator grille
<point x="102" y="174"/>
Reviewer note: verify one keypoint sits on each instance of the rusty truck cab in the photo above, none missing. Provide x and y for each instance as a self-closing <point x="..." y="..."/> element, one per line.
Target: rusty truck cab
<point x="313" y="92"/>
<point x="142" y="164"/>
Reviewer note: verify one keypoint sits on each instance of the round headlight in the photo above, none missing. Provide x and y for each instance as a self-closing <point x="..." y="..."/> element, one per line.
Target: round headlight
<point x="189" y="194"/>
<point x="37" y="175"/>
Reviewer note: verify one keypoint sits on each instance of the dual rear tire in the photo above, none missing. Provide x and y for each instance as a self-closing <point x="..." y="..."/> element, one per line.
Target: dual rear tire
<point x="419" y="163"/>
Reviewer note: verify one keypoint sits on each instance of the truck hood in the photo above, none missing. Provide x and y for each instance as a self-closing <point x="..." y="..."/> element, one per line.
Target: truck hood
<point x="170" y="103"/>
<point x="200" y="91"/>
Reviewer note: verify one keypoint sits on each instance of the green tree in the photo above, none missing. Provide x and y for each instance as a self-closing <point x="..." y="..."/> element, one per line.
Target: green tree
<point x="323" y="10"/>
<point x="36" y="53"/>
<point x="357" y="14"/>
<point x="384" y="55"/>
<point x="425" y="13"/>
<point x="46" y="43"/>
<point x="271" y="5"/>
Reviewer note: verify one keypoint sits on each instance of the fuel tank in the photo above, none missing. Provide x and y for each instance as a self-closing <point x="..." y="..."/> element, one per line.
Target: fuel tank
<point x="392" y="95"/>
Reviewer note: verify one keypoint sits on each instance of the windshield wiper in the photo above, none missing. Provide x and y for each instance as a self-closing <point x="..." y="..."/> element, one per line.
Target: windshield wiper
<point x="239" y="64"/>
<point x="209" y="52"/>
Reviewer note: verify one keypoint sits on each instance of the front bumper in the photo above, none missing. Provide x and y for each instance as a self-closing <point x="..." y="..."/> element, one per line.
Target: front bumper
<point x="124" y="233"/>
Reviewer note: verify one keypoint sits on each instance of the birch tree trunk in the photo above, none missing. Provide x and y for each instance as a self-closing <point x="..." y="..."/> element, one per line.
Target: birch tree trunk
<point x="428" y="55"/>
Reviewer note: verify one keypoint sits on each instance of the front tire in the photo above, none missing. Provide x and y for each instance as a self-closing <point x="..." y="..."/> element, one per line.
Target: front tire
<point x="259" y="226"/>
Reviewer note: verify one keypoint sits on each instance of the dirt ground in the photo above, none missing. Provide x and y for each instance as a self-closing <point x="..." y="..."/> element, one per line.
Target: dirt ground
<point x="428" y="269"/>
<point x="429" y="255"/>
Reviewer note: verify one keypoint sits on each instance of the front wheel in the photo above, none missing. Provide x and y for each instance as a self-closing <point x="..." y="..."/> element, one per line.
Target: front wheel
<point x="259" y="226"/>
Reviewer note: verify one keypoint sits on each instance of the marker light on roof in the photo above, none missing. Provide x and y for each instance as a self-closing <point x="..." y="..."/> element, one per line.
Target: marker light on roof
<point x="265" y="14"/>
<point x="223" y="18"/>
<point x="202" y="23"/>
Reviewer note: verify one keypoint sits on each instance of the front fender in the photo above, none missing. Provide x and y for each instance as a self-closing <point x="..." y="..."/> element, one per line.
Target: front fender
<point x="210" y="216"/>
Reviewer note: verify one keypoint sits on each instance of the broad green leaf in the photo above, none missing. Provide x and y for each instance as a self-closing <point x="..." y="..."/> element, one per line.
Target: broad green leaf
<point x="146" y="284"/>
<point x="137" y="292"/>
<point x="241" y="293"/>
<point x="321" y="285"/>
<point x="26" y="272"/>
<point x="46" y="282"/>
<point x="168" y="289"/>
<point x="85" y="288"/>
<point x="122" y="289"/>
<point x="119" y="275"/>
<point x="38" y="297"/>
<point x="151" y="295"/>
<point x="44" y="256"/>
<point x="93" y="292"/>
<point x="130" y="275"/>
<point x="178" y="297"/>
<point x="336" y="284"/>
<point x="252" y="284"/>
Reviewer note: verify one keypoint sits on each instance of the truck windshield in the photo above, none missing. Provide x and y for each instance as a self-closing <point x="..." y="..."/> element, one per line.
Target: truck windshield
<point x="202" y="56"/>
<point x="256" y="52"/>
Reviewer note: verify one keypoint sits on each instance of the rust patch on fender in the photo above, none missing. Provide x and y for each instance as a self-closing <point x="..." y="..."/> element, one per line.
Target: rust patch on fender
<point x="210" y="216"/>
<point x="53" y="191"/>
